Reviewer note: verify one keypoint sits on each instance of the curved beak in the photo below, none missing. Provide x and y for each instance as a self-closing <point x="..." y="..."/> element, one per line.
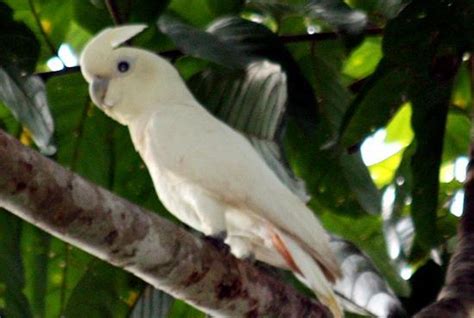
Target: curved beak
<point x="98" y="91"/>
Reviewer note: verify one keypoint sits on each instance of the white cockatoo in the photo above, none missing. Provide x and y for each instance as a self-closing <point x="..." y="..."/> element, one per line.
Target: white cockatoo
<point x="205" y="173"/>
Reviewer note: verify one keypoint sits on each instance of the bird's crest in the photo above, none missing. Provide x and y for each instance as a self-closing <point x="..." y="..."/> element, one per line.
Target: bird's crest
<point x="98" y="49"/>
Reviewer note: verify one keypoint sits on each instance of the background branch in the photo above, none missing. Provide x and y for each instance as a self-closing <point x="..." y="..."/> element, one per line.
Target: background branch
<point x="154" y="249"/>
<point x="173" y="54"/>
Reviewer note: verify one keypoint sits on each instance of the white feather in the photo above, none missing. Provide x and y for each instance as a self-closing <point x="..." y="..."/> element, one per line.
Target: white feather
<point x="205" y="173"/>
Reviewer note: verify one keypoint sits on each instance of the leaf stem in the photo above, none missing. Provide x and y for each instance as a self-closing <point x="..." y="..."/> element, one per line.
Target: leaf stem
<point x="48" y="41"/>
<point x="114" y="11"/>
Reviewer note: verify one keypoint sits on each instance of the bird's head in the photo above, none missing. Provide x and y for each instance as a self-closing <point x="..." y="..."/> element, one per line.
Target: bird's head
<point x="128" y="83"/>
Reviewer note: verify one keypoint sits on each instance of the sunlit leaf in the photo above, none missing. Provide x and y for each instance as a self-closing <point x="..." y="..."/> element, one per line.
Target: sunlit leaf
<point x="364" y="59"/>
<point x="456" y="139"/>
<point x="384" y="171"/>
<point x="374" y="105"/>
<point x="462" y="93"/>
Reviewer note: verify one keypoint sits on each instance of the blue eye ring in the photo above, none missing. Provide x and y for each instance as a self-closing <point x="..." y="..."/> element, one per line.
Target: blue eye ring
<point x="123" y="66"/>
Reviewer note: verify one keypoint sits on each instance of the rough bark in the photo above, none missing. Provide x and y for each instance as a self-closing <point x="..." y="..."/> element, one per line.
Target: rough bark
<point x="162" y="254"/>
<point x="456" y="299"/>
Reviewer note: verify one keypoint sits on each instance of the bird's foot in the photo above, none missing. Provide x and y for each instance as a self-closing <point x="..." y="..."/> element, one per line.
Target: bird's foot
<point x="217" y="240"/>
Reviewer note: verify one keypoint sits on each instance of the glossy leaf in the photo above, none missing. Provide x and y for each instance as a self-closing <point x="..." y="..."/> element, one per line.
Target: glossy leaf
<point x="374" y="106"/>
<point x="152" y="303"/>
<point x="325" y="166"/>
<point x="362" y="289"/>
<point x="25" y="96"/>
<point x="367" y="232"/>
<point x="338" y="14"/>
<point x="364" y="59"/>
<point x="430" y="98"/>
<point x="202" y="44"/>
<point x="334" y="12"/>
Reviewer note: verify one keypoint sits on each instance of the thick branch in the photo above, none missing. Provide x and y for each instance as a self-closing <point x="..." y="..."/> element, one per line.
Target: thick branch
<point x="154" y="249"/>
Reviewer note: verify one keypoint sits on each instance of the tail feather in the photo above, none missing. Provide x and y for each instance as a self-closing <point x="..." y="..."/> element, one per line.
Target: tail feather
<point x="309" y="272"/>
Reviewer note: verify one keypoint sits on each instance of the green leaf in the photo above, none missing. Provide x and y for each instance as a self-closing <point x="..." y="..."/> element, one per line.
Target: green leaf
<point x="36" y="255"/>
<point x="362" y="285"/>
<point x="196" y="12"/>
<point x="20" y="48"/>
<point x="366" y="232"/>
<point x="12" y="280"/>
<point x="99" y="149"/>
<point x="91" y="17"/>
<point x="456" y="139"/>
<point x="374" y="106"/>
<point x="153" y="303"/>
<point x="181" y="310"/>
<point x="334" y="12"/>
<point x="225" y="7"/>
<point x="322" y="167"/>
<point x="254" y="103"/>
<point x="202" y="44"/>
<point x="462" y="94"/>
<point x="144" y="10"/>
<point x="338" y="14"/>
<point x="49" y="20"/>
<point x="431" y="56"/>
<point x="25" y="96"/>
<point x="364" y="59"/>
<point x="104" y="280"/>
<point x="430" y="108"/>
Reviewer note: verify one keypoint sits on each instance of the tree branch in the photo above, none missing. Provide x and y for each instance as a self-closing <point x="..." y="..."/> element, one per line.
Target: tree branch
<point x="323" y="36"/>
<point x="164" y="255"/>
<point x="173" y="54"/>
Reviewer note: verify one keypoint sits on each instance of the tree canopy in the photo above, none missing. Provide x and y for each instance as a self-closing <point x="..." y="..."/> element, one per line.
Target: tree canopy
<point x="362" y="108"/>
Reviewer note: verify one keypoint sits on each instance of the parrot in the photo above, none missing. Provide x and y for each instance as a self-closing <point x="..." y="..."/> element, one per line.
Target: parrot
<point x="204" y="172"/>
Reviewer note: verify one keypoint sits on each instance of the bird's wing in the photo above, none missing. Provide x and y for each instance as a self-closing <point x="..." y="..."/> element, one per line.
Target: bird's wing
<point x="202" y="150"/>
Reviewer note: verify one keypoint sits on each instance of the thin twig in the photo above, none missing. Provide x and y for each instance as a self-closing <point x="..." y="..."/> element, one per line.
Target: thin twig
<point x="48" y="41"/>
<point x="323" y="36"/>
<point x="114" y="11"/>
<point x="173" y="54"/>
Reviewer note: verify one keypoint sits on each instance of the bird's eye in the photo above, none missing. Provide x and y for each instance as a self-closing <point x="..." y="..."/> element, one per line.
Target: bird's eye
<point x="123" y="66"/>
